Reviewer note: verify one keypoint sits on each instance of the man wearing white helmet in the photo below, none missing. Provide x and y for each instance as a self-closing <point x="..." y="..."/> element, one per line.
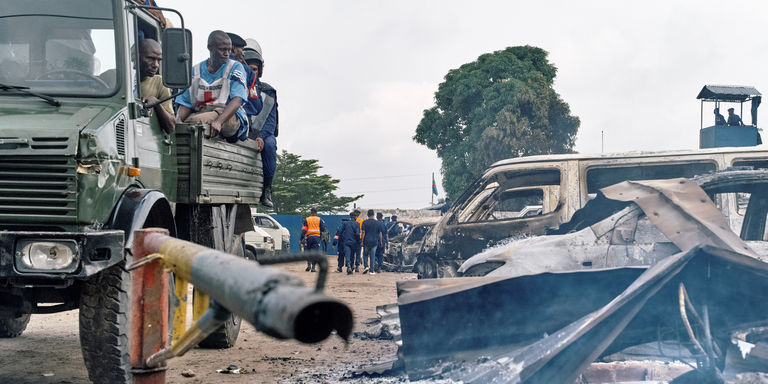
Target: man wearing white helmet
<point x="264" y="123"/>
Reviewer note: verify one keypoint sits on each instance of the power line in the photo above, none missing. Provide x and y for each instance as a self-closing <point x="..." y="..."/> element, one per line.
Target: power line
<point x="391" y="205"/>
<point x="384" y="177"/>
<point x="380" y="191"/>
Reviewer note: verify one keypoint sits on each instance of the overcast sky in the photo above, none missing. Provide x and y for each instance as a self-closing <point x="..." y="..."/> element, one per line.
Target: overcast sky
<point x="353" y="77"/>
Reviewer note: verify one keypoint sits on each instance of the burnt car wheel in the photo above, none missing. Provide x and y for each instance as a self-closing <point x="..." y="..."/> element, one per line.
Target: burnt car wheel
<point x="425" y="267"/>
<point x="14" y="326"/>
<point x="445" y="270"/>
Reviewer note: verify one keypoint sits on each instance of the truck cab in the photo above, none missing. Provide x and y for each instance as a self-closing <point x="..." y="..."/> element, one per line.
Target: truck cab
<point x="83" y="165"/>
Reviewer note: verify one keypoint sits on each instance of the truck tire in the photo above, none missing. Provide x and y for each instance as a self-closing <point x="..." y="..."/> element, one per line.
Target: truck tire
<point x="226" y="335"/>
<point x="14" y="326"/>
<point x="251" y="255"/>
<point x="105" y="326"/>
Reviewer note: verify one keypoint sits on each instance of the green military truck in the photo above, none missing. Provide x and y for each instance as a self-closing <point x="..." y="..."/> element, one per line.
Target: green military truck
<point x="82" y="166"/>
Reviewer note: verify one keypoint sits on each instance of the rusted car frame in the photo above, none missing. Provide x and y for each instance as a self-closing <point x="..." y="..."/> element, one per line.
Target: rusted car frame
<point x="401" y="251"/>
<point x="484" y="214"/>
<point x="564" y="307"/>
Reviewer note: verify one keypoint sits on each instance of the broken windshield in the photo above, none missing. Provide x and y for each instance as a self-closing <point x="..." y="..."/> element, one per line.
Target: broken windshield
<point x="59" y="48"/>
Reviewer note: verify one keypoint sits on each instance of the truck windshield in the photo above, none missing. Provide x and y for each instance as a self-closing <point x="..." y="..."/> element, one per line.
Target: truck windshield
<point x="64" y="47"/>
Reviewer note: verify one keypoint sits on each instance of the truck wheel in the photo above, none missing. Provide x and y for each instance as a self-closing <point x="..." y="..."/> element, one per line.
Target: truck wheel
<point x="14" y="326"/>
<point x="250" y="255"/>
<point x="105" y="326"/>
<point x="226" y="335"/>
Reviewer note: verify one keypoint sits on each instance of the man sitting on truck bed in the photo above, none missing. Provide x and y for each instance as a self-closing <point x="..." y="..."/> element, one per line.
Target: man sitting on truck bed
<point x="217" y="92"/>
<point x="152" y="88"/>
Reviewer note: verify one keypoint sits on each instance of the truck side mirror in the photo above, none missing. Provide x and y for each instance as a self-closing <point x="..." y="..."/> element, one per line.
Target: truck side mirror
<point x="177" y="58"/>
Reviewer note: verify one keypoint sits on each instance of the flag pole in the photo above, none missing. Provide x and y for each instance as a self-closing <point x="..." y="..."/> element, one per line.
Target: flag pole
<point x="431" y="193"/>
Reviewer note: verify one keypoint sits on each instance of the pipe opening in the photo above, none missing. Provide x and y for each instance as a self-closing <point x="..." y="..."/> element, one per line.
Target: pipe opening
<point x="316" y="321"/>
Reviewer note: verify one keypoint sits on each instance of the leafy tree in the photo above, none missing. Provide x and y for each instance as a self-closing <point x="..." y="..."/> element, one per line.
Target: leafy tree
<point x="502" y="105"/>
<point x="298" y="187"/>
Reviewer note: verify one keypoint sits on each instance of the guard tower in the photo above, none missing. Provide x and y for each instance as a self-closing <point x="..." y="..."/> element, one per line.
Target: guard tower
<point x="725" y="135"/>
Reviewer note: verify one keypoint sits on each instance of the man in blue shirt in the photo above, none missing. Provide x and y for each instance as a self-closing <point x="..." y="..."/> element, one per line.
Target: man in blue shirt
<point x="217" y="92"/>
<point x="733" y="119"/>
<point x="371" y="241"/>
<point x="350" y="237"/>
<point x="338" y="243"/>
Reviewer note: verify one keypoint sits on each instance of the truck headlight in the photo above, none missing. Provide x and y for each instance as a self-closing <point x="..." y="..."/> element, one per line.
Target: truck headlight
<point x="34" y="255"/>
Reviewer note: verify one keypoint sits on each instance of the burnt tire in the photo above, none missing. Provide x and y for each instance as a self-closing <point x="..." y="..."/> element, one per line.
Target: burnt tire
<point x="14" y="326"/>
<point x="425" y="267"/>
<point x="105" y="326"/>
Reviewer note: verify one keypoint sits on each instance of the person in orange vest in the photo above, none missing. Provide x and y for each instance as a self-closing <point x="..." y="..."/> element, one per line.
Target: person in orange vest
<point x="312" y="228"/>
<point x="356" y="256"/>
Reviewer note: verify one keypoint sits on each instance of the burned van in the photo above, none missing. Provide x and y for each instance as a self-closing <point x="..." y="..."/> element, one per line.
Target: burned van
<point x="528" y="196"/>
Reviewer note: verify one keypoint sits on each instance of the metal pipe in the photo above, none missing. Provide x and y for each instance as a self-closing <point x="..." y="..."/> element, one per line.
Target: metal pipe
<point x="313" y="256"/>
<point x="208" y="323"/>
<point x="271" y="300"/>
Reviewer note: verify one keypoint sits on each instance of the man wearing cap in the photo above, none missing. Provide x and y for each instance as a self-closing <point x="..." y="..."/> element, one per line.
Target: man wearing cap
<point x="733" y="119"/>
<point x="263" y="116"/>
<point x="217" y="92"/>
<point x="250" y="103"/>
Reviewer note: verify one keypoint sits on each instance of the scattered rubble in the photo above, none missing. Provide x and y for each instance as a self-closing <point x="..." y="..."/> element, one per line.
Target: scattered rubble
<point x="668" y="274"/>
<point x="232" y="369"/>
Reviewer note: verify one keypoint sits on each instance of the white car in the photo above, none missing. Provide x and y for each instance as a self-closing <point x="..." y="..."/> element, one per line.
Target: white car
<point x="258" y="243"/>
<point x="281" y="234"/>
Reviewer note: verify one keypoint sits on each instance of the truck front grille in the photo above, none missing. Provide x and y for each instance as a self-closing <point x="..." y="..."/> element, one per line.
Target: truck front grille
<point x="38" y="189"/>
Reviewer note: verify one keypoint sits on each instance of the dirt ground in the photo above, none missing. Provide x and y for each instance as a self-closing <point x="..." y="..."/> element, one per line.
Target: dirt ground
<point x="49" y="351"/>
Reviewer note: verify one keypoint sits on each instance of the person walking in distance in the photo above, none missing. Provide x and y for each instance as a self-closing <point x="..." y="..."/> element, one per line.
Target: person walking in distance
<point x="358" y="248"/>
<point x="338" y="244"/>
<point x="383" y="244"/>
<point x="349" y="237"/>
<point x="371" y="239"/>
<point x="314" y="227"/>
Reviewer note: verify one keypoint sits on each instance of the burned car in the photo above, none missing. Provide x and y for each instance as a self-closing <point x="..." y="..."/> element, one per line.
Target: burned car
<point x="403" y="247"/>
<point x="609" y="232"/>
<point x="652" y="281"/>
<point x="500" y="204"/>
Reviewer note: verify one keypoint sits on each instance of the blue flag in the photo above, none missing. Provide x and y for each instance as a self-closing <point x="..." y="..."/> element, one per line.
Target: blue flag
<point x="434" y="185"/>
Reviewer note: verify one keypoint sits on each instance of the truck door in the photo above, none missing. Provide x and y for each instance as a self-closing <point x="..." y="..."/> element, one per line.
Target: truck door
<point x="154" y="148"/>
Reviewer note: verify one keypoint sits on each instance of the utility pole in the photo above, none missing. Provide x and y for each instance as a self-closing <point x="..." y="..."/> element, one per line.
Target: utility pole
<point x="602" y="141"/>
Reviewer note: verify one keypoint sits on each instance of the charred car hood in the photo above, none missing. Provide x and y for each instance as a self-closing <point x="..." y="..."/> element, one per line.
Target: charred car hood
<point x="36" y="128"/>
<point x="677" y="211"/>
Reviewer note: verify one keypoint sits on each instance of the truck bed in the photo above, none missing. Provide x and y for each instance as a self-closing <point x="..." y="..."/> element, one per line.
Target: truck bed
<point x="213" y="171"/>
